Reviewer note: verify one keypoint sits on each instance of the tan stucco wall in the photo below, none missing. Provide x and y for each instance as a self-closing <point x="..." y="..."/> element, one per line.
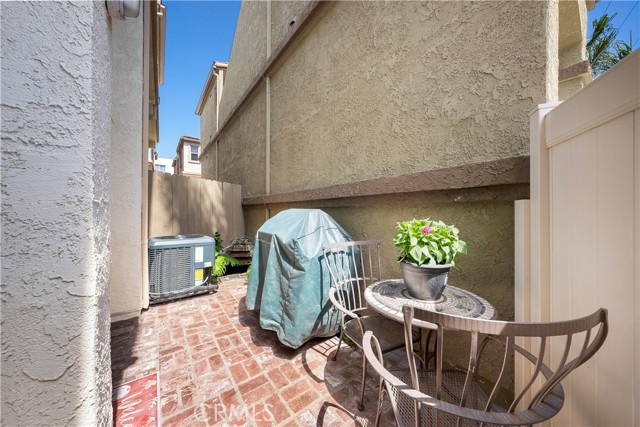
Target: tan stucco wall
<point x="282" y="13"/>
<point x="487" y="227"/>
<point x="573" y="30"/>
<point x="407" y="88"/>
<point x="208" y="118"/>
<point x="376" y="89"/>
<point x="397" y="93"/>
<point x="487" y="269"/>
<point x="424" y="98"/>
<point x="571" y="45"/>
<point x="242" y="148"/>
<point x="248" y="54"/>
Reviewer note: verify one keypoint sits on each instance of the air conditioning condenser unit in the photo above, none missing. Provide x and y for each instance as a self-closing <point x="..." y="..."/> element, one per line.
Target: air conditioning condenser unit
<point x="180" y="266"/>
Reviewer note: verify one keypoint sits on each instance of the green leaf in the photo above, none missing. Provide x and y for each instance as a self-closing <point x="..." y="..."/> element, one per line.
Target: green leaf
<point x="222" y="261"/>
<point x="427" y="253"/>
<point x="417" y="255"/>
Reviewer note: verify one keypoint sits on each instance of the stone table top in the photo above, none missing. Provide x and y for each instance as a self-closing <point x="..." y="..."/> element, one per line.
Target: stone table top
<point x="387" y="297"/>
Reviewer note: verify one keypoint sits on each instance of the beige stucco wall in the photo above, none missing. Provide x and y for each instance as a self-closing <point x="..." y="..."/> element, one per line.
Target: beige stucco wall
<point x="242" y="148"/>
<point x="572" y="44"/>
<point x="56" y="132"/>
<point x="248" y="53"/>
<point x="127" y="168"/>
<point x="210" y="106"/>
<point x="208" y="118"/>
<point x="573" y="28"/>
<point x="282" y="14"/>
<point x="381" y="89"/>
<point x="424" y="87"/>
<point x="487" y="227"/>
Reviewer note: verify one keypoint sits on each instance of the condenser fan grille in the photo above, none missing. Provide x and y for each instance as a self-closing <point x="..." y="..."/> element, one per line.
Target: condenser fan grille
<point x="169" y="269"/>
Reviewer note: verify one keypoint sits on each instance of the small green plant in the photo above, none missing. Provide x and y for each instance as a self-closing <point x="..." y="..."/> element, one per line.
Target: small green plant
<point x="424" y="241"/>
<point x="248" y="273"/>
<point x="222" y="260"/>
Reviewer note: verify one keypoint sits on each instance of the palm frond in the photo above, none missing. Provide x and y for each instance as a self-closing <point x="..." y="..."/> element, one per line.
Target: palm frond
<point x="603" y="51"/>
<point x="622" y="49"/>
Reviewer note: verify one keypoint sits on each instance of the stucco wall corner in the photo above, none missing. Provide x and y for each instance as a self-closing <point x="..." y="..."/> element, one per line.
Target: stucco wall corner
<point x="55" y="217"/>
<point x="552" y="38"/>
<point x="101" y="128"/>
<point x="126" y="166"/>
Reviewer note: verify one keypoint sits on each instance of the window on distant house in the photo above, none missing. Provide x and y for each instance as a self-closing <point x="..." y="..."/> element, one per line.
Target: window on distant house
<point x="194" y="153"/>
<point x="160" y="168"/>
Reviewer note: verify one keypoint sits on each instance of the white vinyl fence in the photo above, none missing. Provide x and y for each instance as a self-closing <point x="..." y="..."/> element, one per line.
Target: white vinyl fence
<point x="578" y="238"/>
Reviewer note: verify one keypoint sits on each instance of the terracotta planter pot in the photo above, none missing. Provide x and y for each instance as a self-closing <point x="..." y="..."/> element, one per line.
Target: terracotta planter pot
<point x="425" y="282"/>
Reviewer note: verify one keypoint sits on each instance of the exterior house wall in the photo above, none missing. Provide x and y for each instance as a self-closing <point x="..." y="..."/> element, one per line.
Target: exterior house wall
<point x="371" y="90"/>
<point x="167" y="163"/>
<point x="572" y="47"/>
<point x="184" y="165"/>
<point x="421" y="95"/>
<point x="246" y="153"/>
<point x="127" y="293"/>
<point x="55" y="213"/>
<point x="208" y="107"/>
<point x="283" y="15"/>
<point x="208" y="119"/>
<point x="190" y="167"/>
<point x="247" y="55"/>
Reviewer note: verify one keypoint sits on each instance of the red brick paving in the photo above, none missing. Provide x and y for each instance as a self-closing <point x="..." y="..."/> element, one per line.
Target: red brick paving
<point x="219" y="368"/>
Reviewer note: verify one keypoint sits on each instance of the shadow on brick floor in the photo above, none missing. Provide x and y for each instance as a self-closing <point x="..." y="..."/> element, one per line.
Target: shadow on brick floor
<point x="217" y="367"/>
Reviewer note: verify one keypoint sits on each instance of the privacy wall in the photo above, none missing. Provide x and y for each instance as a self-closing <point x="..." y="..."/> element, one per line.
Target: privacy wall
<point x="384" y="111"/>
<point x="191" y="205"/>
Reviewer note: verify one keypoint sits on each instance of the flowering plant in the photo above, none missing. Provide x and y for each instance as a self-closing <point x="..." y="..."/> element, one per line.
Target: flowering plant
<point x="424" y="241"/>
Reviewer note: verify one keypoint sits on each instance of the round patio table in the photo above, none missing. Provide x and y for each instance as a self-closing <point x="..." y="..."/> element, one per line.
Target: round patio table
<point x="387" y="297"/>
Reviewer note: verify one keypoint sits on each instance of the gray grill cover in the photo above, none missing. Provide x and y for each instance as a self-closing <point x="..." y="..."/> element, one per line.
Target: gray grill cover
<point x="289" y="283"/>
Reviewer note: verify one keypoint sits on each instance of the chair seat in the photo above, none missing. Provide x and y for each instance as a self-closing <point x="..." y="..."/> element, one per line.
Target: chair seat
<point x="389" y="332"/>
<point x="452" y="385"/>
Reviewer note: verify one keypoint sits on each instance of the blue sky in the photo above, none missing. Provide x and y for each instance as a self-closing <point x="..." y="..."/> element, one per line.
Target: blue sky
<point x="199" y="32"/>
<point x="627" y="18"/>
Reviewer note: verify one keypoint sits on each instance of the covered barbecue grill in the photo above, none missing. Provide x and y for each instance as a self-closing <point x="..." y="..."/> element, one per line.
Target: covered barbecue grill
<point x="289" y="283"/>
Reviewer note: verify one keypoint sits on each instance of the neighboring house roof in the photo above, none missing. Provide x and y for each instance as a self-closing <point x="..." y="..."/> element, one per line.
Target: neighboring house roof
<point x="217" y="65"/>
<point x="182" y="140"/>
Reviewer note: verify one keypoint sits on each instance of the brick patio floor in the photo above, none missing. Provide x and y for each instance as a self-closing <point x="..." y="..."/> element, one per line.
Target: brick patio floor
<point x="217" y="367"/>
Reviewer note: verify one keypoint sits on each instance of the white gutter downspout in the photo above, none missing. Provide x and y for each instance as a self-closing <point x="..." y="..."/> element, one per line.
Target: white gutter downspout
<point x="268" y="112"/>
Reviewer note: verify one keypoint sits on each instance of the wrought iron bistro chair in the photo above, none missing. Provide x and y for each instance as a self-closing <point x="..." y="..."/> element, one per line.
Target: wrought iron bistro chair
<point x="354" y="266"/>
<point x="457" y="397"/>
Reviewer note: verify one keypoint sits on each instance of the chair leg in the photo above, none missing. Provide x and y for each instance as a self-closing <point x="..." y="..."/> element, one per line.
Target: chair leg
<point x="364" y="377"/>
<point x="335" y="354"/>
<point x="381" y="392"/>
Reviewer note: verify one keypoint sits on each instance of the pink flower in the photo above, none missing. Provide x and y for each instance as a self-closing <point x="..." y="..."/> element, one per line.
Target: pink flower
<point x="426" y="229"/>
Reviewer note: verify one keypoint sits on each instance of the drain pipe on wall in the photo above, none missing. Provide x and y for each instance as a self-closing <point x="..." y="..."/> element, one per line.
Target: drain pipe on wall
<point x="267" y="157"/>
<point x="121" y="9"/>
